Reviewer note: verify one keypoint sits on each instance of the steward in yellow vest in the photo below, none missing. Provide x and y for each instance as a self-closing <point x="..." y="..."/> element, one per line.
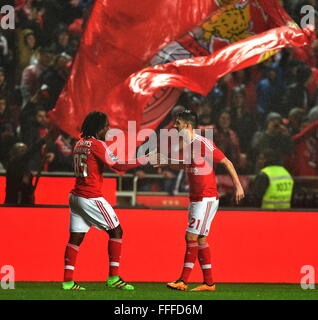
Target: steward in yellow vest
<point x="273" y="186"/>
<point x="280" y="190"/>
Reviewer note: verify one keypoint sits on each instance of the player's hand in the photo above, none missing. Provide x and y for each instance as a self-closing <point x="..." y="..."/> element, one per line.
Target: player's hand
<point x="239" y="194"/>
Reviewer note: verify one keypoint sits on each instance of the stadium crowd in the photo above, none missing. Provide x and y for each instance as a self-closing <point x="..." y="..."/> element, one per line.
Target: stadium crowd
<point x="273" y="105"/>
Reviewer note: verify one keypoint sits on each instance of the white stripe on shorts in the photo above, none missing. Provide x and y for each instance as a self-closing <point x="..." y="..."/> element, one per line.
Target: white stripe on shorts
<point x="206" y="266"/>
<point x="69" y="267"/>
<point x="206" y="216"/>
<point x="105" y="214"/>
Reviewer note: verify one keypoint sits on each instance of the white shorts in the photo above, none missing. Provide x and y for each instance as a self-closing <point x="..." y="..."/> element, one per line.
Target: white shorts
<point x="201" y="214"/>
<point x="86" y="213"/>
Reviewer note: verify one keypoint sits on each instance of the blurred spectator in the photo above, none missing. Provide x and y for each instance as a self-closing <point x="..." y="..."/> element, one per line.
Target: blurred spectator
<point x="27" y="49"/>
<point x="205" y="115"/>
<point x="63" y="153"/>
<point x="217" y="97"/>
<point x="242" y="79"/>
<point x="54" y="78"/>
<point x="31" y="76"/>
<point x="242" y="121"/>
<point x="3" y="84"/>
<point x="27" y="115"/>
<point x="273" y="185"/>
<point x="35" y="126"/>
<point x="312" y="88"/>
<point x="62" y="43"/>
<point x="4" y="49"/>
<point x="34" y="130"/>
<point x="269" y="94"/>
<point x="19" y="175"/>
<point x="19" y="187"/>
<point x="304" y="161"/>
<point x="227" y="141"/>
<point x="296" y="95"/>
<point x="295" y="117"/>
<point x="30" y="16"/>
<point x="7" y="133"/>
<point x="275" y="136"/>
<point x="307" y="54"/>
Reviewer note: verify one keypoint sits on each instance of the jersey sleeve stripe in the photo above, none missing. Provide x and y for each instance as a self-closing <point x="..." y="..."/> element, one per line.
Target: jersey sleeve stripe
<point x="107" y="152"/>
<point x="206" y="142"/>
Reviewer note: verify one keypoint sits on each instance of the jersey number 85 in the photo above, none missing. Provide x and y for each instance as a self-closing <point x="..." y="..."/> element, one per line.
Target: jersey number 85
<point x="80" y="166"/>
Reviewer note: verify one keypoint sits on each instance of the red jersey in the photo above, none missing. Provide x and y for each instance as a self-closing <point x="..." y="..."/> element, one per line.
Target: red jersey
<point x="200" y="171"/>
<point x="90" y="157"/>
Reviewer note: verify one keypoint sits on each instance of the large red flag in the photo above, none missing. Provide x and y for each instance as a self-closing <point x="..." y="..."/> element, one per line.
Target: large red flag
<point x="122" y="37"/>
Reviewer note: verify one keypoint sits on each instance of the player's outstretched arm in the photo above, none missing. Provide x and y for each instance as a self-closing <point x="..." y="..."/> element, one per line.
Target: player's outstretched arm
<point x="161" y="161"/>
<point x="239" y="192"/>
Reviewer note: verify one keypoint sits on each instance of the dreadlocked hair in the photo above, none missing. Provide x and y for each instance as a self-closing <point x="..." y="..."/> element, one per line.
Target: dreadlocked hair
<point x="93" y="123"/>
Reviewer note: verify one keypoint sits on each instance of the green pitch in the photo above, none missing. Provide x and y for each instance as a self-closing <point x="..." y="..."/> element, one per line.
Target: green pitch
<point x="157" y="291"/>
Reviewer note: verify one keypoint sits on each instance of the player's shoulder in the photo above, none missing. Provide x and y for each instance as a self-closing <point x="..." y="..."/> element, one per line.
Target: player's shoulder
<point x="205" y="142"/>
<point x="101" y="146"/>
<point x="94" y="143"/>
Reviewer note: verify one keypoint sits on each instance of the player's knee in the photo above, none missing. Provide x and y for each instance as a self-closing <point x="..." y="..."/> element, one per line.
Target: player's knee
<point x="116" y="233"/>
<point x="76" y="238"/>
<point x="191" y="236"/>
<point x="202" y="240"/>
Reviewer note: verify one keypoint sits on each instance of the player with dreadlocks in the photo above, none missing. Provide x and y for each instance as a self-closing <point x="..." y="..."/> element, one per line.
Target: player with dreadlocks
<point x="88" y="207"/>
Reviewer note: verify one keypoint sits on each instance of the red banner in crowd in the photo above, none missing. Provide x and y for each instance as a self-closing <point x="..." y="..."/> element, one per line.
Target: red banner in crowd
<point x="122" y="37"/>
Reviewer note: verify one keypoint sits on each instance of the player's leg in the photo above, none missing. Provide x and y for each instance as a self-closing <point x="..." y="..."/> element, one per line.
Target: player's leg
<point x="114" y="253"/>
<point x="204" y="254"/>
<point x="78" y="229"/>
<point x="114" y="250"/>
<point x="71" y="251"/>
<point x="191" y="252"/>
<point x="104" y="217"/>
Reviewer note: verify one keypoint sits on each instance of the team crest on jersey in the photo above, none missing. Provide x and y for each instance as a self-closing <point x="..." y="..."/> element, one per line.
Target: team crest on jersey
<point x="113" y="157"/>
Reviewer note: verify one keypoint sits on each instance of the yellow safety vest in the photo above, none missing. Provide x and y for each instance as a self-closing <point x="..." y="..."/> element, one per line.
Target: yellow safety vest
<point x="279" y="193"/>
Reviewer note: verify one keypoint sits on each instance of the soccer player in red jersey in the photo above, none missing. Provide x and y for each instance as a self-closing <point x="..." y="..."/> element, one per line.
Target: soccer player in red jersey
<point x="87" y="205"/>
<point x="201" y="153"/>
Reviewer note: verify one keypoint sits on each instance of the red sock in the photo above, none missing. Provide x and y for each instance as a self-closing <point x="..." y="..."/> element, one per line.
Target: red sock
<point x="114" y="251"/>
<point x="205" y="263"/>
<point x="69" y="261"/>
<point x="189" y="259"/>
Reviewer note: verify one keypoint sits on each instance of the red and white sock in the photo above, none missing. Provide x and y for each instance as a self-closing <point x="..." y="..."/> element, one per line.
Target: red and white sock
<point x="71" y="252"/>
<point x="204" y="256"/>
<point x="189" y="259"/>
<point x="114" y="253"/>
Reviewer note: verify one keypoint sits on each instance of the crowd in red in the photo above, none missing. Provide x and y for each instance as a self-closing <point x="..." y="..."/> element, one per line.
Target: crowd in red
<point x="271" y="105"/>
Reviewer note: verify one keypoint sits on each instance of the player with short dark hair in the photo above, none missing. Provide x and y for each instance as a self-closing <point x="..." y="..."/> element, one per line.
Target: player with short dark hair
<point x="88" y="207"/>
<point x="204" y="201"/>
